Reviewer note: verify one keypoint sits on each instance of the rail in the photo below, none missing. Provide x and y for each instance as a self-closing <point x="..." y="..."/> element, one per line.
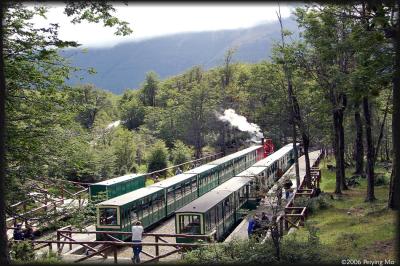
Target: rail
<point x="65" y="237"/>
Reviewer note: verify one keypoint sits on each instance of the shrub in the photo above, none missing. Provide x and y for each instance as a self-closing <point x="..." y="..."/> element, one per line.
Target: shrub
<point x="158" y="157"/>
<point x="380" y="180"/>
<point x="22" y="251"/>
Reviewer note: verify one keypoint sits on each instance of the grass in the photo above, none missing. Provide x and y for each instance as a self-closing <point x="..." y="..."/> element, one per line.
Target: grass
<point x="351" y="227"/>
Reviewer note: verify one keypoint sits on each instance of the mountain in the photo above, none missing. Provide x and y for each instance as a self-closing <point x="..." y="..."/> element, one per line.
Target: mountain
<point x="125" y="65"/>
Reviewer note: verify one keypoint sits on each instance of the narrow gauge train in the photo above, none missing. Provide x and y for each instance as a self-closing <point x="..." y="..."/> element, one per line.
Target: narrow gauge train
<point x="117" y="186"/>
<point x="153" y="203"/>
<point x="218" y="210"/>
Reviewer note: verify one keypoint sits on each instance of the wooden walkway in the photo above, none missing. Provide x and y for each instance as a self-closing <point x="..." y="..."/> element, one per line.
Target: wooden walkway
<point x="240" y="231"/>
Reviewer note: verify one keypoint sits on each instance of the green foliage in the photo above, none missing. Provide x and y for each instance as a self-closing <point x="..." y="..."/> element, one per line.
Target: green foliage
<point x="22" y="251"/>
<point x="158" y="157"/>
<point x="180" y="153"/>
<point x="293" y="250"/>
<point x="87" y="215"/>
<point x="125" y="150"/>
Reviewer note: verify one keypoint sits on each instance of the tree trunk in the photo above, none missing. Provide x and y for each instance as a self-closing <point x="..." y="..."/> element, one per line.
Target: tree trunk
<point x="394" y="191"/>
<point x="4" y="255"/>
<point x="296" y="156"/>
<point x="341" y="151"/>
<point x="335" y="146"/>
<point x="370" y="151"/>
<point x="307" y="177"/>
<point x="359" y="147"/>
<point x="387" y="144"/>
<point x="378" y="144"/>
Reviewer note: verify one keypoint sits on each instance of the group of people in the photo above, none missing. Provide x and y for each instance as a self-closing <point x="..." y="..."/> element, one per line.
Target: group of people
<point x="19" y="234"/>
<point x="256" y="223"/>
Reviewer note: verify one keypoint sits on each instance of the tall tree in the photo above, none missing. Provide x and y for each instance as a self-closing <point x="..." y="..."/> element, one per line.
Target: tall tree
<point x="34" y="73"/>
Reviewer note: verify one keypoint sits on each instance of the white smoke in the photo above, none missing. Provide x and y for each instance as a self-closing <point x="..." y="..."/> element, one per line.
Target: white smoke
<point x="113" y="124"/>
<point x="241" y="123"/>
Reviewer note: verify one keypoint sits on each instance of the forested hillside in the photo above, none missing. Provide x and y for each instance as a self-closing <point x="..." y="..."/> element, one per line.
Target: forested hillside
<point x="125" y="65"/>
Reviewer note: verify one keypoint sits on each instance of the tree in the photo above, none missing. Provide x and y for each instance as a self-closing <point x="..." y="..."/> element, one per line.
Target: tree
<point x="33" y="73"/>
<point x="180" y="153"/>
<point x="295" y="115"/>
<point x="92" y="101"/>
<point x="326" y="62"/>
<point x="125" y="150"/>
<point x="150" y="89"/>
<point x="158" y="157"/>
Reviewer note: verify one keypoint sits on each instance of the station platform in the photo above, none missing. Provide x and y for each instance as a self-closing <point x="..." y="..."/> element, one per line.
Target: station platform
<point x="269" y="200"/>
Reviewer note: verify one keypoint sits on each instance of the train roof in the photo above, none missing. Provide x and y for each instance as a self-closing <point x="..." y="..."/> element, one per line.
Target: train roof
<point x="234" y="155"/>
<point x="118" y="179"/>
<point x="274" y="156"/>
<point x="205" y="202"/>
<point x="234" y="183"/>
<point x="221" y="160"/>
<point x="200" y="169"/>
<point x="173" y="180"/>
<point x="131" y="196"/>
<point x="247" y="150"/>
<point x="252" y="171"/>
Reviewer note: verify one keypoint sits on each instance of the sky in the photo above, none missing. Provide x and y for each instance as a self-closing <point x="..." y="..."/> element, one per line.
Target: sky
<point x="152" y="20"/>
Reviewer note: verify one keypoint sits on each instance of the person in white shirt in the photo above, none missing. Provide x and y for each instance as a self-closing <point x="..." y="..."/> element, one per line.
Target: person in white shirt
<point x="137" y="235"/>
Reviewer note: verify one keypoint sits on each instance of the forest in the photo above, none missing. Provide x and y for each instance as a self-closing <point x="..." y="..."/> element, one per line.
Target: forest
<point x="335" y="88"/>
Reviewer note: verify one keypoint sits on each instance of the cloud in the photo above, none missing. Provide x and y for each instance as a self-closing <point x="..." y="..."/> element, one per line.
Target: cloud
<point x="151" y="20"/>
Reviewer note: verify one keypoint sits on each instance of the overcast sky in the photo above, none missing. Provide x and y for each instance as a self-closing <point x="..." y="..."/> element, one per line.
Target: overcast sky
<point x="151" y="20"/>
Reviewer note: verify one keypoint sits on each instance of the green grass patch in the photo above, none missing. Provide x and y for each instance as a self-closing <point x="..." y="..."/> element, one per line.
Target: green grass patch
<point x="351" y="227"/>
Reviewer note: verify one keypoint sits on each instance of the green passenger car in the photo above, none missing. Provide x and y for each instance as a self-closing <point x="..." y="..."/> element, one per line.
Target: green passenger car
<point x="216" y="210"/>
<point x="118" y="214"/>
<point x="179" y="191"/>
<point x="207" y="178"/>
<point x="117" y="186"/>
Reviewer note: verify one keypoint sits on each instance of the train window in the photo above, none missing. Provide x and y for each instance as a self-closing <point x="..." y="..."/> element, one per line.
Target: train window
<point x="189" y="224"/>
<point x="212" y="218"/>
<point x="108" y="216"/>
<point x="194" y="184"/>
<point x="170" y="195"/>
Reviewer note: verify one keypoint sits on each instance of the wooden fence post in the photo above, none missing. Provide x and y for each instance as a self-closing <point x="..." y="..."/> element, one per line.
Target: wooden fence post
<point x="58" y="244"/>
<point x="115" y="254"/>
<point x="70" y="235"/>
<point x="62" y="194"/>
<point x="157" y="247"/>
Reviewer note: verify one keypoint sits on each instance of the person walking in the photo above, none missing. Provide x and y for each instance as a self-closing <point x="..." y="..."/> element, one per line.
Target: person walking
<point x="137" y="235"/>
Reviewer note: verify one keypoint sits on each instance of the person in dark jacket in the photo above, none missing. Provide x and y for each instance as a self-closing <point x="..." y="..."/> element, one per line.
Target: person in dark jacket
<point x="29" y="233"/>
<point x="251" y="225"/>
<point x="18" y="235"/>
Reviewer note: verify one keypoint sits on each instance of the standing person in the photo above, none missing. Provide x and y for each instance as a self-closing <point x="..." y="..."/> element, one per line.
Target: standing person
<point x="178" y="171"/>
<point x="250" y="227"/>
<point x="137" y="235"/>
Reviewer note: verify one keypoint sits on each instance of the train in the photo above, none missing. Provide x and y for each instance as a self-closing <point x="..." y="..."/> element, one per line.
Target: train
<point x="156" y="202"/>
<point x="219" y="209"/>
<point x="115" y="187"/>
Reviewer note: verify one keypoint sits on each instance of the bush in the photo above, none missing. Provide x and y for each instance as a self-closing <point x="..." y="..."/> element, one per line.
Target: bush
<point x="380" y="180"/>
<point x="180" y="153"/>
<point x="321" y="202"/>
<point x="242" y="252"/>
<point x="158" y="157"/>
<point x="22" y="251"/>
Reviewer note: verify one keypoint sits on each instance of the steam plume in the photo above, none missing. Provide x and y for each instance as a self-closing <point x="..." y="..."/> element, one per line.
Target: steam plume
<point x="241" y="123"/>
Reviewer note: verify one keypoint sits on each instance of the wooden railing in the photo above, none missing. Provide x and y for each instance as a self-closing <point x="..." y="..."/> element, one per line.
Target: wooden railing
<point x="65" y="237"/>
